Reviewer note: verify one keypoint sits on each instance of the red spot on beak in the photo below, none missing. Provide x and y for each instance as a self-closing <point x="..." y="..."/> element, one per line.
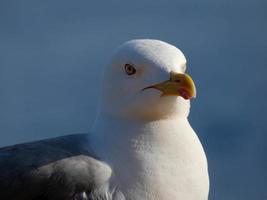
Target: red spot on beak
<point x="184" y="93"/>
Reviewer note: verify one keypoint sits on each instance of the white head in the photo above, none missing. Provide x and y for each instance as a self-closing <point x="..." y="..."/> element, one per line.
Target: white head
<point x="145" y="79"/>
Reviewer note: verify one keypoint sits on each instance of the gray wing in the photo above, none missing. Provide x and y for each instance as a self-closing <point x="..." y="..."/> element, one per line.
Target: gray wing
<point x="55" y="169"/>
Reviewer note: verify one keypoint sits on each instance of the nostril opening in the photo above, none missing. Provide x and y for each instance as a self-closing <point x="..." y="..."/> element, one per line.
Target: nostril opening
<point x="177" y="81"/>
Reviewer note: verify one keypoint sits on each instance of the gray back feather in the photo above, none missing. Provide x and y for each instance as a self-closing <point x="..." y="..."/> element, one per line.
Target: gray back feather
<point x="55" y="169"/>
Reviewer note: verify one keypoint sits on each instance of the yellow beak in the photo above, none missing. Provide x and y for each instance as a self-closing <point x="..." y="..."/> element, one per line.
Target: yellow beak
<point x="178" y="85"/>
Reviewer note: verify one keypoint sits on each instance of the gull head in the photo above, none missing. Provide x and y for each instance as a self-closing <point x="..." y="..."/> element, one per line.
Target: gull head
<point x="146" y="79"/>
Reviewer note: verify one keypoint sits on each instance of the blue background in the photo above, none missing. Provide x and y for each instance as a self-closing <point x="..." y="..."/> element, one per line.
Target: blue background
<point x="52" y="53"/>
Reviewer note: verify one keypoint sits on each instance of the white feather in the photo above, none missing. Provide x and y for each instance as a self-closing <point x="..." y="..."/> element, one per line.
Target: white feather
<point x="145" y="138"/>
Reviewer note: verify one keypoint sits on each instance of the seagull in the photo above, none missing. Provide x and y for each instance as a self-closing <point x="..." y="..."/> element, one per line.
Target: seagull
<point x="141" y="145"/>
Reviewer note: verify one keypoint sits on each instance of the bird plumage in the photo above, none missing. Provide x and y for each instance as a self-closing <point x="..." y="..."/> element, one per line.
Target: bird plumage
<point x="51" y="169"/>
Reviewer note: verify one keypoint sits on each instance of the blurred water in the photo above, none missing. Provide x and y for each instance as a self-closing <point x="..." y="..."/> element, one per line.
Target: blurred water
<point x="52" y="53"/>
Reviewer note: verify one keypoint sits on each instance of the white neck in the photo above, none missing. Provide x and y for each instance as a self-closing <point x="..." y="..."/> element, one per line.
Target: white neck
<point x="152" y="160"/>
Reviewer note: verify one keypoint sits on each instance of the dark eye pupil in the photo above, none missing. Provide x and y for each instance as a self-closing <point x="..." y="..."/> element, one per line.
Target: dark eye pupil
<point x="129" y="69"/>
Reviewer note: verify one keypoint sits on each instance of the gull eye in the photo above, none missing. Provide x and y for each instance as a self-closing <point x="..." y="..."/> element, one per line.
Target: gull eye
<point x="129" y="69"/>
